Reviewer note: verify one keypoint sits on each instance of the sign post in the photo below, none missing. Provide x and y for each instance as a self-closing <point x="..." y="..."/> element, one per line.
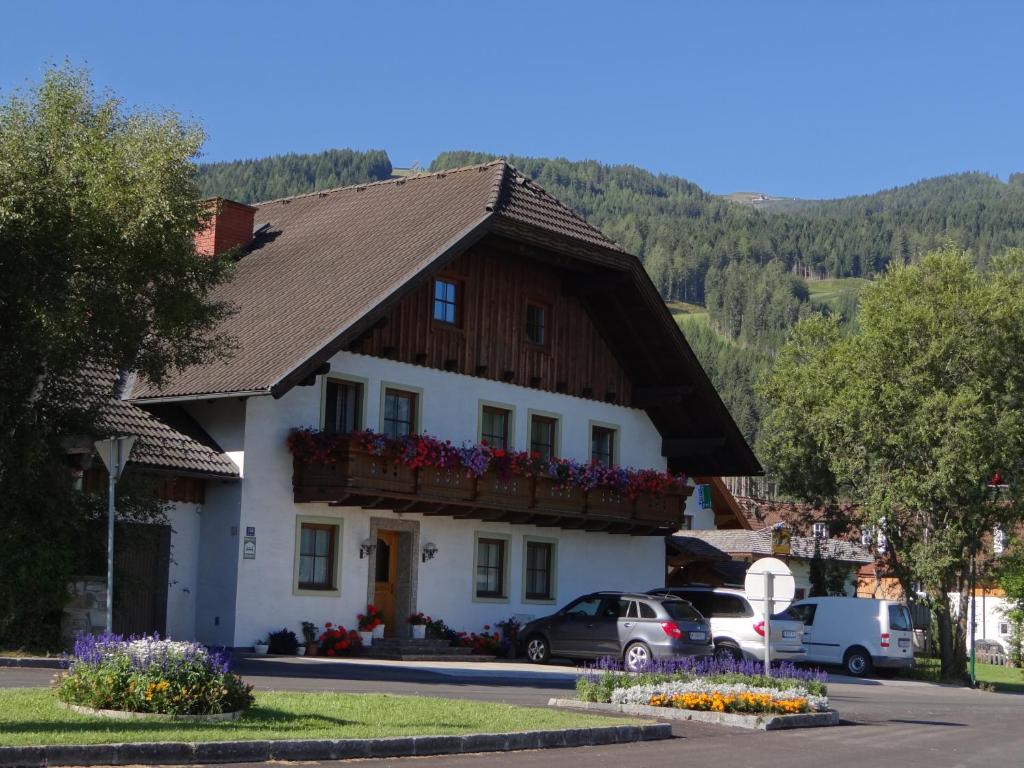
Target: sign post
<point x="114" y="452"/>
<point x="769" y="581"/>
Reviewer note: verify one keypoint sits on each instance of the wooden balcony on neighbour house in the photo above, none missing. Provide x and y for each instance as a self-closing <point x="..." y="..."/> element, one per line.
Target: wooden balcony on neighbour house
<point x="360" y="479"/>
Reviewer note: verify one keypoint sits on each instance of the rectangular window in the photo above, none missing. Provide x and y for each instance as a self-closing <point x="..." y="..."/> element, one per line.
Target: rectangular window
<point x="317" y="545"/>
<point x="446" y="301"/>
<point x="540" y="561"/>
<point x="343" y="406"/>
<point x="494" y="426"/>
<point x="490" y="568"/>
<point x="543" y="434"/>
<point x="399" y="413"/>
<point x="602" y="446"/>
<point x="820" y="530"/>
<point x="536" y="324"/>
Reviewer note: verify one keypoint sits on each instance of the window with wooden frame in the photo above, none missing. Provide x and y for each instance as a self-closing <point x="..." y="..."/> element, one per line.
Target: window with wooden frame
<point x="543" y="436"/>
<point x="537" y="322"/>
<point x="317" y="548"/>
<point x="343" y="406"/>
<point x="490" y="567"/>
<point x="399" y="413"/>
<point x="539" y="570"/>
<point x="495" y="426"/>
<point x="602" y="445"/>
<point x="447" y="301"/>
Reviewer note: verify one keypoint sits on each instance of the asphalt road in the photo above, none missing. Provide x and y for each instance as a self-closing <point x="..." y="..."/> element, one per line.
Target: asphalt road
<point x="901" y="724"/>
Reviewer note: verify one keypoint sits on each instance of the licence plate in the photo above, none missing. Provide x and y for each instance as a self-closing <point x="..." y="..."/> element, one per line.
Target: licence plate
<point x="904" y="642"/>
<point x="789" y="634"/>
<point x="698" y="636"/>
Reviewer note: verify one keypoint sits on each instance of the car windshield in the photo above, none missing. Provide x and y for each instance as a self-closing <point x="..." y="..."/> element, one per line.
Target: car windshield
<point x="789" y="614"/>
<point x="680" y="609"/>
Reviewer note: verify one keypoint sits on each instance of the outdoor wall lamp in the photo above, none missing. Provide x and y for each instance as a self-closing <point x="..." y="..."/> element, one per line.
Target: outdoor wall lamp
<point x="429" y="550"/>
<point x="366" y="549"/>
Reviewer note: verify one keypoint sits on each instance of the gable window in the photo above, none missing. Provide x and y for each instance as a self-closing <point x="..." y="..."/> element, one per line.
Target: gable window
<point x="543" y="434"/>
<point x="602" y="445"/>
<point x="399" y="413"/>
<point x="495" y="424"/>
<point x="317" y="547"/>
<point x="820" y="530"/>
<point x="536" y="323"/>
<point x="446" y="301"/>
<point x="343" y="406"/>
<point x="490" y="567"/>
<point x="539" y="570"/>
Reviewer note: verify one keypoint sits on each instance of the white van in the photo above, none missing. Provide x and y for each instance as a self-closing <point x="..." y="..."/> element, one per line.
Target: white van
<point x="858" y="633"/>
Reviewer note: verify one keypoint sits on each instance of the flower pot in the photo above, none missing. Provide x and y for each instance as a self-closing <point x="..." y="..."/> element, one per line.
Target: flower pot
<point x="378" y="631"/>
<point x="312" y="648"/>
<point x="300" y="650"/>
<point x="261" y="649"/>
<point x="366" y="637"/>
<point x="419" y="631"/>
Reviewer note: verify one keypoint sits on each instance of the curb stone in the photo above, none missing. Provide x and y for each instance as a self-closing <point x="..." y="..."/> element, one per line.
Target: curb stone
<point x="760" y="722"/>
<point x="40" y="662"/>
<point x="177" y="752"/>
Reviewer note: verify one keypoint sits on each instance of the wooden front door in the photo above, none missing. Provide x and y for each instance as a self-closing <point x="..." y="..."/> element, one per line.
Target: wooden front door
<point x="142" y="554"/>
<point x="386" y="579"/>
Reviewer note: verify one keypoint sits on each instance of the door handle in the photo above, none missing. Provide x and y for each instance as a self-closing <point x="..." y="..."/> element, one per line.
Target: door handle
<point x="627" y="624"/>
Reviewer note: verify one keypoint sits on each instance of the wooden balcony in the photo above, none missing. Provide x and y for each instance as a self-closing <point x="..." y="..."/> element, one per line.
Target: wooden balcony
<point x="360" y="479"/>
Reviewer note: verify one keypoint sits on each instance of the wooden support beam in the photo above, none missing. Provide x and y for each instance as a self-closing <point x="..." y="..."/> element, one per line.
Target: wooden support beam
<point x="651" y="397"/>
<point x="677" y="447"/>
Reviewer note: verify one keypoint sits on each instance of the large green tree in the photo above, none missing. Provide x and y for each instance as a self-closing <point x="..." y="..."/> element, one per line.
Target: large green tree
<point x="98" y="210"/>
<point x="909" y="415"/>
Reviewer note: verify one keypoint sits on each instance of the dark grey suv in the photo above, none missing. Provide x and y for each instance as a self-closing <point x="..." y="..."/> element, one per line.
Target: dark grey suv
<point x="631" y="626"/>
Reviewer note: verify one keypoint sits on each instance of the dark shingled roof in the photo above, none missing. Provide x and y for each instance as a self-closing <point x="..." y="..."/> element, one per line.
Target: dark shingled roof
<point x="182" y="447"/>
<point x="324" y="267"/>
<point x="719" y="545"/>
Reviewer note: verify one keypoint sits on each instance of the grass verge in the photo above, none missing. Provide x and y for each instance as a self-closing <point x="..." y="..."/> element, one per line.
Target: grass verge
<point x="32" y="717"/>
<point x="1001" y="679"/>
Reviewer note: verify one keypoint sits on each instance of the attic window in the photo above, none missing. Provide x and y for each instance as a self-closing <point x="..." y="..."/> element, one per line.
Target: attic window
<point x="446" y="301"/>
<point x="536" y="323"/>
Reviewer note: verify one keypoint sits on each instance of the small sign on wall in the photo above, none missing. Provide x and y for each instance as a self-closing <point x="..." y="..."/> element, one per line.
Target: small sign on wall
<point x="704" y="496"/>
<point x="249" y="548"/>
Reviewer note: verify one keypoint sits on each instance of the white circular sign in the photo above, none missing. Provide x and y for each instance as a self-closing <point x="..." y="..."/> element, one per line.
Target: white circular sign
<point x="782" y="581"/>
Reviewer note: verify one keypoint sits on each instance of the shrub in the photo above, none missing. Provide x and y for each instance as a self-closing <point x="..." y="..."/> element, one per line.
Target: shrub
<point x="484" y="644"/>
<point x="147" y="674"/>
<point x="284" y="642"/>
<point x="438" y="630"/>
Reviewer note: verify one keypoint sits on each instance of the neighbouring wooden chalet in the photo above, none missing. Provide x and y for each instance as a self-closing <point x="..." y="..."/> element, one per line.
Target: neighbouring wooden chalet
<point x="436" y="381"/>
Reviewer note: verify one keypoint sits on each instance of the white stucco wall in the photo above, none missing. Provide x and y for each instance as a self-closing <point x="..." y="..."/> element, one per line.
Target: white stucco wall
<point x="217" y="556"/>
<point x="183" y="574"/>
<point x="449" y="408"/>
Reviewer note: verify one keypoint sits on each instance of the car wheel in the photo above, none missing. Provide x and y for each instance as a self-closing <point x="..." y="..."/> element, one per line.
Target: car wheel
<point x="726" y="651"/>
<point x="637" y="657"/>
<point x="537" y="650"/>
<point x="857" y="662"/>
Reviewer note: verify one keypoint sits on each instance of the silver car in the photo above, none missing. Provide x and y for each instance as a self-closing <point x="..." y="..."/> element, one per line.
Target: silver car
<point x="630" y="626"/>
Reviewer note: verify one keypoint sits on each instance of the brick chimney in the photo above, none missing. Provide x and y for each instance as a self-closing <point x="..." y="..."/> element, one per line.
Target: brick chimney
<point x="230" y="225"/>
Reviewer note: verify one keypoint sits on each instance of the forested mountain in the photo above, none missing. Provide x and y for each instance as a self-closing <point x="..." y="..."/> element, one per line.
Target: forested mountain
<point x="750" y="266"/>
<point x="269" y="178"/>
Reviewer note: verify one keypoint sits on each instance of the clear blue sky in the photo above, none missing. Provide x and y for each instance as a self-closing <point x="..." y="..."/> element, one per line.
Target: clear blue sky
<point x="813" y="99"/>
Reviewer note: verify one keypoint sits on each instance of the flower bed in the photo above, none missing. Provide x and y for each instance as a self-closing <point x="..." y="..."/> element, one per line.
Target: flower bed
<point x="707" y="683"/>
<point x="147" y="674"/>
<point x="315" y="447"/>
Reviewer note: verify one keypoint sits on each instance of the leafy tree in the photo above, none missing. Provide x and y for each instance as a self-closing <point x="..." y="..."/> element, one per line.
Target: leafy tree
<point x="1010" y="577"/>
<point x="98" y="209"/>
<point x="908" y="416"/>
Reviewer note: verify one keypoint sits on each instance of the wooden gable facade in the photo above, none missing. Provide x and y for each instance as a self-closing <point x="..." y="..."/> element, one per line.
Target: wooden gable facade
<point x="495" y="291"/>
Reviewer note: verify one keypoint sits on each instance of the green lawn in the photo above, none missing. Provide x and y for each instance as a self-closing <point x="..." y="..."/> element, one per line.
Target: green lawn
<point x="32" y="716"/>
<point x="827" y="291"/>
<point x="1002" y="679"/>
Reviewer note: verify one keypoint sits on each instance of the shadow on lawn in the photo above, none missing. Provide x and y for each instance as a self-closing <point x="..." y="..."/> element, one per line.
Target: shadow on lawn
<point x="257" y="721"/>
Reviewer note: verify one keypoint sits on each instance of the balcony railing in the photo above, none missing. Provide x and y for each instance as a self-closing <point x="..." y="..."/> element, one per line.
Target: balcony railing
<point x="359" y="478"/>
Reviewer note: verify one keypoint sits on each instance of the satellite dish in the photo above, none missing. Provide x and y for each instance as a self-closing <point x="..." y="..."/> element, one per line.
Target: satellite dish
<point x="783" y="585"/>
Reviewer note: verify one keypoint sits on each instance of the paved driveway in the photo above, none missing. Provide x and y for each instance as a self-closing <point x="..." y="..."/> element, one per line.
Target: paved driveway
<point x="896" y="723"/>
